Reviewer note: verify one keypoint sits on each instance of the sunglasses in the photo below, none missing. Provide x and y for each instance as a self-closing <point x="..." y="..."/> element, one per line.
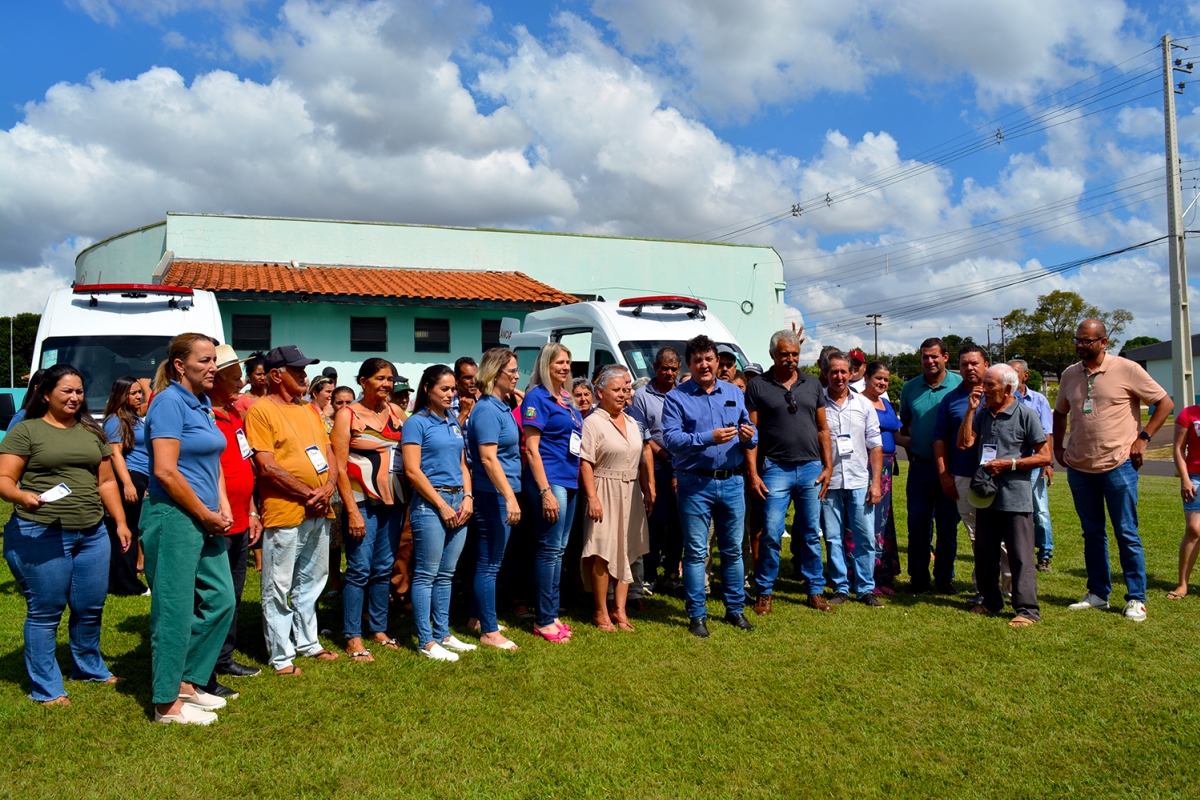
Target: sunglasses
<point x="791" y="401"/>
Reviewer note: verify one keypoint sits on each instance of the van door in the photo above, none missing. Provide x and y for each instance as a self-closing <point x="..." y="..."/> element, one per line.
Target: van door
<point x="579" y="342"/>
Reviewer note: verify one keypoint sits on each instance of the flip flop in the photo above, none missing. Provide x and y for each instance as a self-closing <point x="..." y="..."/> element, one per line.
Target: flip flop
<point x="391" y="644"/>
<point x="363" y="656"/>
<point x="288" y="671"/>
<point x="1173" y="595"/>
<point x="557" y="637"/>
<point x="324" y="655"/>
<point x="1020" y="622"/>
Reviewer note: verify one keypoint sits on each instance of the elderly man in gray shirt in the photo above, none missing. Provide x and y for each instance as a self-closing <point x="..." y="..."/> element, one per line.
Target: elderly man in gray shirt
<point x="1009" y="443"/>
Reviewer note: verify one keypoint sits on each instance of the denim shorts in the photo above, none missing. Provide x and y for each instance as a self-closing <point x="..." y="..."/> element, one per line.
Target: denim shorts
<point x="1194" y="505"/>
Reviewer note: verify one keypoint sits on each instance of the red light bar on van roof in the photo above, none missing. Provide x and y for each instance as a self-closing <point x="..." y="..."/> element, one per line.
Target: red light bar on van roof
<point x="132" y="288"/>
<point x="669" y="302"/>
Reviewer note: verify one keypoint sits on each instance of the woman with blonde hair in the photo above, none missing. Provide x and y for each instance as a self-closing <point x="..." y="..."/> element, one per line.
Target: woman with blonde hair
<point x="185" y="517"/>
<point x="495" y="444"/>
<point x="553" y="430"/>
<point x="616" y="475"/>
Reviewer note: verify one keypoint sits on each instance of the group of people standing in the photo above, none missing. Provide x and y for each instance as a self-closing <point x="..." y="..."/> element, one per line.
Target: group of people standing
<point x="197" y="475"/>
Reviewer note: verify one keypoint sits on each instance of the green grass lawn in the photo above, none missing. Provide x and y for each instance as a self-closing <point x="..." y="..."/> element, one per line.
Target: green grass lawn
<point x="919" y="699"/>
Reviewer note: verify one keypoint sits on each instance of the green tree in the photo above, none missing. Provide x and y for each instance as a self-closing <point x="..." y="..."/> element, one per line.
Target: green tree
<point x="1139" y="341"/>
<point x="24" y="334"/>
<point x="1044" y="336"/>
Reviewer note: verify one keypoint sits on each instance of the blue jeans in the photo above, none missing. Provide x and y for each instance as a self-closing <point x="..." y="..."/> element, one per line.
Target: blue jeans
<point x="791" y="483"/>
<point x="927" y="504"/>
<point x="436" y="549"/>
<point x="493" y="531"/>
<point x="1117" y="489"/>
<point x="295" y="566"/>
<point x="551" y="544"/>
<point x="702" y="499"/>
<point x="1043" y="534"/>
<point x="369" y="564"/>
<point x="842" y="510"/>
<point x="56" y="569"/>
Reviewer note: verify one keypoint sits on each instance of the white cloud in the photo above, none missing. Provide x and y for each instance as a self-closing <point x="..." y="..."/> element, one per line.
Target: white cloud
<point x="109" y="11"/>
<point x="733" y="56"/>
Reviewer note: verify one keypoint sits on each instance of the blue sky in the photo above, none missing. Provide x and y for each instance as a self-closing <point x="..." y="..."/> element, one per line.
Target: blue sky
<point x="611" y="116"/>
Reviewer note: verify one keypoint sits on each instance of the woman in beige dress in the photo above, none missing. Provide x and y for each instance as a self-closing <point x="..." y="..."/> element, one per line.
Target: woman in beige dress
<point x="616" y="476"/>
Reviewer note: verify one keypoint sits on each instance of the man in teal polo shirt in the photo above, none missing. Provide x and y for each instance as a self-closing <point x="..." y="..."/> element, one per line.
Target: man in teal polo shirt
<point x="927" y="502"/>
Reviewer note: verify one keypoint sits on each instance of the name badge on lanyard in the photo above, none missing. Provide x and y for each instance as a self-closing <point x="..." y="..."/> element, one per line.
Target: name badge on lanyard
<point x="989" y="453"/>
<point x="576" y="444"/>
<point x="845" y="445"/>
<point x="317" y="458"/>
<point x="243" y="445"/>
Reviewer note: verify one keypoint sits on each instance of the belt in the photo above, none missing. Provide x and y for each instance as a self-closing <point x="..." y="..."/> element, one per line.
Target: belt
<point x="916" y="459"/>
<point x="448" y="489"/>
<point x="715" y="474"/>
<point x="624" y="475"/>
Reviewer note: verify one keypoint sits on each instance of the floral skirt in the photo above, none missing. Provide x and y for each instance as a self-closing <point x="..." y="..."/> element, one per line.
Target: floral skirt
<point x="887" y="553"/>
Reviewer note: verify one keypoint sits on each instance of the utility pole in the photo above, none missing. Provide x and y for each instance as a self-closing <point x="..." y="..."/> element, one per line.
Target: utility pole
<point x="1003" y="344"/>
<point x="1183" y="384"/>
<point x="989" y="337"/>
<point x="875" y="323"/>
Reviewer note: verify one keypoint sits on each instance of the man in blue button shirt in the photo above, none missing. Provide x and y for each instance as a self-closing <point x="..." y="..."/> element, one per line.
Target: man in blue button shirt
<point x="1043" y="534"/>
<point x="706" y="428"/>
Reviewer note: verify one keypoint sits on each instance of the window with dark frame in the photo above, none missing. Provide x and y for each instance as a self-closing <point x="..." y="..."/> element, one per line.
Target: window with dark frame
<point x="490" y="335"/>
<point x="431" y="335"/>
<point x="368" y="334"/>
<point x="252" y="332"/>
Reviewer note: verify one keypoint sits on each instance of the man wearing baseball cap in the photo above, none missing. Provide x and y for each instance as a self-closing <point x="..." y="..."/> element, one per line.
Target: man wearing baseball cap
<point x="726" y="362"/>
<point x="858" y="370"/>
<point x="297" y="477"/>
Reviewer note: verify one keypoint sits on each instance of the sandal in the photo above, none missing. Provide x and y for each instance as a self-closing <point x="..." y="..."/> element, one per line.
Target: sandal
<point x="601" y="623"/>
<point x="623" y="623"/>
<point x="390" y="644"/>
<point x="1020" y="622"/>
<point x="363" y="656"/>
<point x="1174" y="595"/>
<point x="556" y="637"/>
<point x="324" y="655"/>
<point x="288" y="671"/>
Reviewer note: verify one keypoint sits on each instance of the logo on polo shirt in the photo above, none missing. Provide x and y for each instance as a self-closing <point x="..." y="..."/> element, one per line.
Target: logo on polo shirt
<point x="530" y="412"/>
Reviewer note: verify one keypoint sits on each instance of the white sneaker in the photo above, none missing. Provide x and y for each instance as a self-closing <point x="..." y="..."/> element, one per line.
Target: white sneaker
<point x="1135" y="611"/>
<point x="439" y="653"/>
<point x="188" y="715"/>
<point x="454" y="643"/>
<point x="203" y="700"/>
<point x="1089" y="601"/>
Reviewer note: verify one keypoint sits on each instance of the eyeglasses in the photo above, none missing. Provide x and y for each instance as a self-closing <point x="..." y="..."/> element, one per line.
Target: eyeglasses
<point x="791" y="401"/>
<point x="516" y="373"/>
<point x="1085" y="342"/>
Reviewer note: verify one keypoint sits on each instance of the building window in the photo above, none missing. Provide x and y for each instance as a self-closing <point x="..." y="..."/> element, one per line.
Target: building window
<point x="491" y="335"/>
<point x="431" y="335"/>
<point x="252" y="332"/>
<point x="368" y="334"/>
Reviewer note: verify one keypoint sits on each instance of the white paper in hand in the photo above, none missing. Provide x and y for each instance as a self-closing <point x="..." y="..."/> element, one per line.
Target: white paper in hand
<point x="57" y="493"/>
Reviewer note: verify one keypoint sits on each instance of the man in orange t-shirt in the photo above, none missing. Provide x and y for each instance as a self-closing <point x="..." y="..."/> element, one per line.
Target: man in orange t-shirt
<point x="1103" y="394"/>
<point x="297" y="475"/>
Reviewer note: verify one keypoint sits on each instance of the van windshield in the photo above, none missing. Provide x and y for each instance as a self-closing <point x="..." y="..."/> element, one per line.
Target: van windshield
<point x="639" y="356"/>
<point x="103" y="359"/>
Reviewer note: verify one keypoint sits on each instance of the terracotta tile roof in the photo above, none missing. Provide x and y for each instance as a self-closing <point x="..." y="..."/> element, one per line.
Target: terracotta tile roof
<point x="455" y="286"/>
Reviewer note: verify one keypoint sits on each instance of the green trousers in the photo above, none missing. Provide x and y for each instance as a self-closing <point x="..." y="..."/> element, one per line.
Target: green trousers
<point x="192" y="600"/>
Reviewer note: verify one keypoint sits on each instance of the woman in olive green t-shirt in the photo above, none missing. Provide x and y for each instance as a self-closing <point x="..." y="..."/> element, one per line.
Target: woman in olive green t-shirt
<point x="54" y="542"/>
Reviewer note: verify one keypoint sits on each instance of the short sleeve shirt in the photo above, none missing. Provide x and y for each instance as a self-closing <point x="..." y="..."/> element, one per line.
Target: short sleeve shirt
<point x="949" y="419"/>
<point x="918" y="410"/>
<point x="1017" y="433"/>
<point x="1189" y="418"/>
<point x="649" y="401"/>
<point x="782" y="435"/>
<point x="1100" y="438"/>
<point x="60" y="455"/>
<point x="556" y="422"/>
<point x="239" y="473"/>
<point x="137" y="459"/>
<point x="643" y="426"/>
<point x="491" y="422"/>
<point x="442" y="443"/>
<point x="286" y="431"/>
<point x="178" y="414"/>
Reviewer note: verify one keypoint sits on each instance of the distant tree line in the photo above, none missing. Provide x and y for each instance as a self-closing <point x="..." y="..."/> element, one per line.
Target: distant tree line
<point x="24" y="334"/>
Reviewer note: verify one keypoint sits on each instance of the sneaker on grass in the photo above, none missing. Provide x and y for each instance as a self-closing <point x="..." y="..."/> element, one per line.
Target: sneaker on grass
<point x="1135" y="611"/>
<point x="1089" y="600"/>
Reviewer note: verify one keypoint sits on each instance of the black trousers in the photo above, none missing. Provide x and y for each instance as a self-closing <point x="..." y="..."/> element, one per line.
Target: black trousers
<point x="238" y="547"/>
<point x="1015" y="530"/>
<point x="666" y="534"/>
<point x="122" y="565"/>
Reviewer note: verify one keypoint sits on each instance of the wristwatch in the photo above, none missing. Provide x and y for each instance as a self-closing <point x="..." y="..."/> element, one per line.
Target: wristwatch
<point x="1143" y="436"/>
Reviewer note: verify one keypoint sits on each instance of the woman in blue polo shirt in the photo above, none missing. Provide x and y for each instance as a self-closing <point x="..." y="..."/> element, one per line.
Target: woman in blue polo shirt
<point x="185" y="518"/>
<point x="495" y="445"/>
<point x="126" y="434"/>
<point x="553" y="430"/>
<point x="433" y="448"/>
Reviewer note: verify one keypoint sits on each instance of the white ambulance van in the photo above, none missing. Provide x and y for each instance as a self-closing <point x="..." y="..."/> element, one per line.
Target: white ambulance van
<point x="627" y="332"/>
<point x="109" y="330"/>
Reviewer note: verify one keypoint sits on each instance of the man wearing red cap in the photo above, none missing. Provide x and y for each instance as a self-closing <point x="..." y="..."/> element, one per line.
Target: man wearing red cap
<point x="858" y="370"/>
